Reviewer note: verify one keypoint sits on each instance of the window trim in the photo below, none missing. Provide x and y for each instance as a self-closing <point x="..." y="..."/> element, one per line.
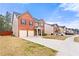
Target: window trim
<point x="23" y="21"/>
<point x="31" y="23"/>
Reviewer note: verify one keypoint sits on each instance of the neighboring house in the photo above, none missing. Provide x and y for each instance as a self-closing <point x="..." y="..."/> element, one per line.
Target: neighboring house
<point x="25" y="25"/>
<point x="56" y="30"/>
<point x="76" y="31"/>
<point x="52" y="29"/>
<point x="62" y="30"/>
<point x="48" y="29"/>
<point x="69" y="31"/>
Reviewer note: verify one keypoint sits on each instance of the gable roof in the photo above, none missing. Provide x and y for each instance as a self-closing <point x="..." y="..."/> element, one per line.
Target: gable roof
<point x="62" y="26"/>
<point x="54" y="25"/>
<point x="26" y="13"/>
<point x="36" y="20"/>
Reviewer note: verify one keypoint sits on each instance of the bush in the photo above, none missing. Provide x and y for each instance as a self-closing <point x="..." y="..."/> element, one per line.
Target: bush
<point x="4" y="25"/>
<point x="44" y="34"/>
<point x="51" y="33"/>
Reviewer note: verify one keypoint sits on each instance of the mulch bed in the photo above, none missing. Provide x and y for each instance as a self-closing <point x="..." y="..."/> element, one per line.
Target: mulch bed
<point x="5" y="33"/>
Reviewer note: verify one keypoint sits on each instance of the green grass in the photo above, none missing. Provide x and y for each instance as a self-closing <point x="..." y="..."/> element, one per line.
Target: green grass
<point x="55" y="37"/>
<point x="12" y="46"/>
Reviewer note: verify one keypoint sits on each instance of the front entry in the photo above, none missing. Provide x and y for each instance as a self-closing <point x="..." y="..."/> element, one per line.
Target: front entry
<point x="38" y="32"/>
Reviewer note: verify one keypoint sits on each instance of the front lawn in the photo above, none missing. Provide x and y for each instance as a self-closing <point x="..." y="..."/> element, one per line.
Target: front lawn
<point x="76" y="39"/>
<point x="12" y="46"/>
<point x="55" y="37"/>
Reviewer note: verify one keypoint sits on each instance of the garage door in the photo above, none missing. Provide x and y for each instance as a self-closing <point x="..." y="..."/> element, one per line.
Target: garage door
<point x="30" y="33"/>
<point x="22" y="33"/>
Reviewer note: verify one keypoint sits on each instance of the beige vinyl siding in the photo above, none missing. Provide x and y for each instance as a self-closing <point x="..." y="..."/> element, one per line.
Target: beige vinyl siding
<point x="15" y="26"/>
<point x="48" y="29"/>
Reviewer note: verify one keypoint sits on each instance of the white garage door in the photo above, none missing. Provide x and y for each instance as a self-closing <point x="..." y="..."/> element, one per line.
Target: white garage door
<point x="30" y="33"/>
<point x="22" y="33"/>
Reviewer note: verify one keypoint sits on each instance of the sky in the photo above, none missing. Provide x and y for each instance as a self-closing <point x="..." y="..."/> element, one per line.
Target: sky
<point x="63" y="14"/>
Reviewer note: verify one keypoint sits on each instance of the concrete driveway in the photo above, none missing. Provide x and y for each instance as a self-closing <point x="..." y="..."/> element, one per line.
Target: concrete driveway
<point x="64" y="47"/>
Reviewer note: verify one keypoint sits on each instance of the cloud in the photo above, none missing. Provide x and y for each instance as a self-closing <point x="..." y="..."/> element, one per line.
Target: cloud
<point x="73" y="24"/>
<point x="70" y="6"/>
<point x="59" y="19"/>
<point x="74" y="7"/>
<point x="52" y="22"/>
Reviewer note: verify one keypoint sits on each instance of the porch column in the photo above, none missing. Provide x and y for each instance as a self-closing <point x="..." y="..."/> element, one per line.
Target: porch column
<point x="41" y="32"/>
<point x="37" y="32"/>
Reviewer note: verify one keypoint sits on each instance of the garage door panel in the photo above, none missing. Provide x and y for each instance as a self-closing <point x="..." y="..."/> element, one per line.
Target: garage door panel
<point x="30" y="33"/>
<point x="22" y="33"/>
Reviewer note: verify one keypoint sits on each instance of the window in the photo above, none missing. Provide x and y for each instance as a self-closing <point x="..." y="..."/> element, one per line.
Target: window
<point x="41" y="23"/>
<point x="23" y="22"/>
<point x="36" y="24"/>
<point x="31" y="23"/>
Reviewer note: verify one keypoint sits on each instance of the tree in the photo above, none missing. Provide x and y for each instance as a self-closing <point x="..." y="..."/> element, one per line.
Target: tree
<point x="8" y="17"/>
<point x="2" y="21"/>
<point x="8" y="21"/>
<point x="4" y="25"/>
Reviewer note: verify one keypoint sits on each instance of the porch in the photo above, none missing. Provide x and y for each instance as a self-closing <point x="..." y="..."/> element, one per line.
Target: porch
<point x="38" y="31"/>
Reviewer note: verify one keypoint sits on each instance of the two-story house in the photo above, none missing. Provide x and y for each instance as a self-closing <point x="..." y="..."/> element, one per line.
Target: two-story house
<point x="25" y="25"/>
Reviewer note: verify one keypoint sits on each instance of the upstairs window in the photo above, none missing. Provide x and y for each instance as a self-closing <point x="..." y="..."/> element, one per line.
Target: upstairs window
<point x="23" y="22"/>
<point x="36" y="24"/>
<point x="31" y="23"/>
<point x="41" y="23"/>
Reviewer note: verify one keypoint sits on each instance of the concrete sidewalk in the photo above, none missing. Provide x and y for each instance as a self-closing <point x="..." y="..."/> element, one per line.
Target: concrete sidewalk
<point x="64" y="47"/>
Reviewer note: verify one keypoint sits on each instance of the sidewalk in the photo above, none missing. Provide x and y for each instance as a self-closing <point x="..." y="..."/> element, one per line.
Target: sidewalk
<point x="64" y="47"/>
